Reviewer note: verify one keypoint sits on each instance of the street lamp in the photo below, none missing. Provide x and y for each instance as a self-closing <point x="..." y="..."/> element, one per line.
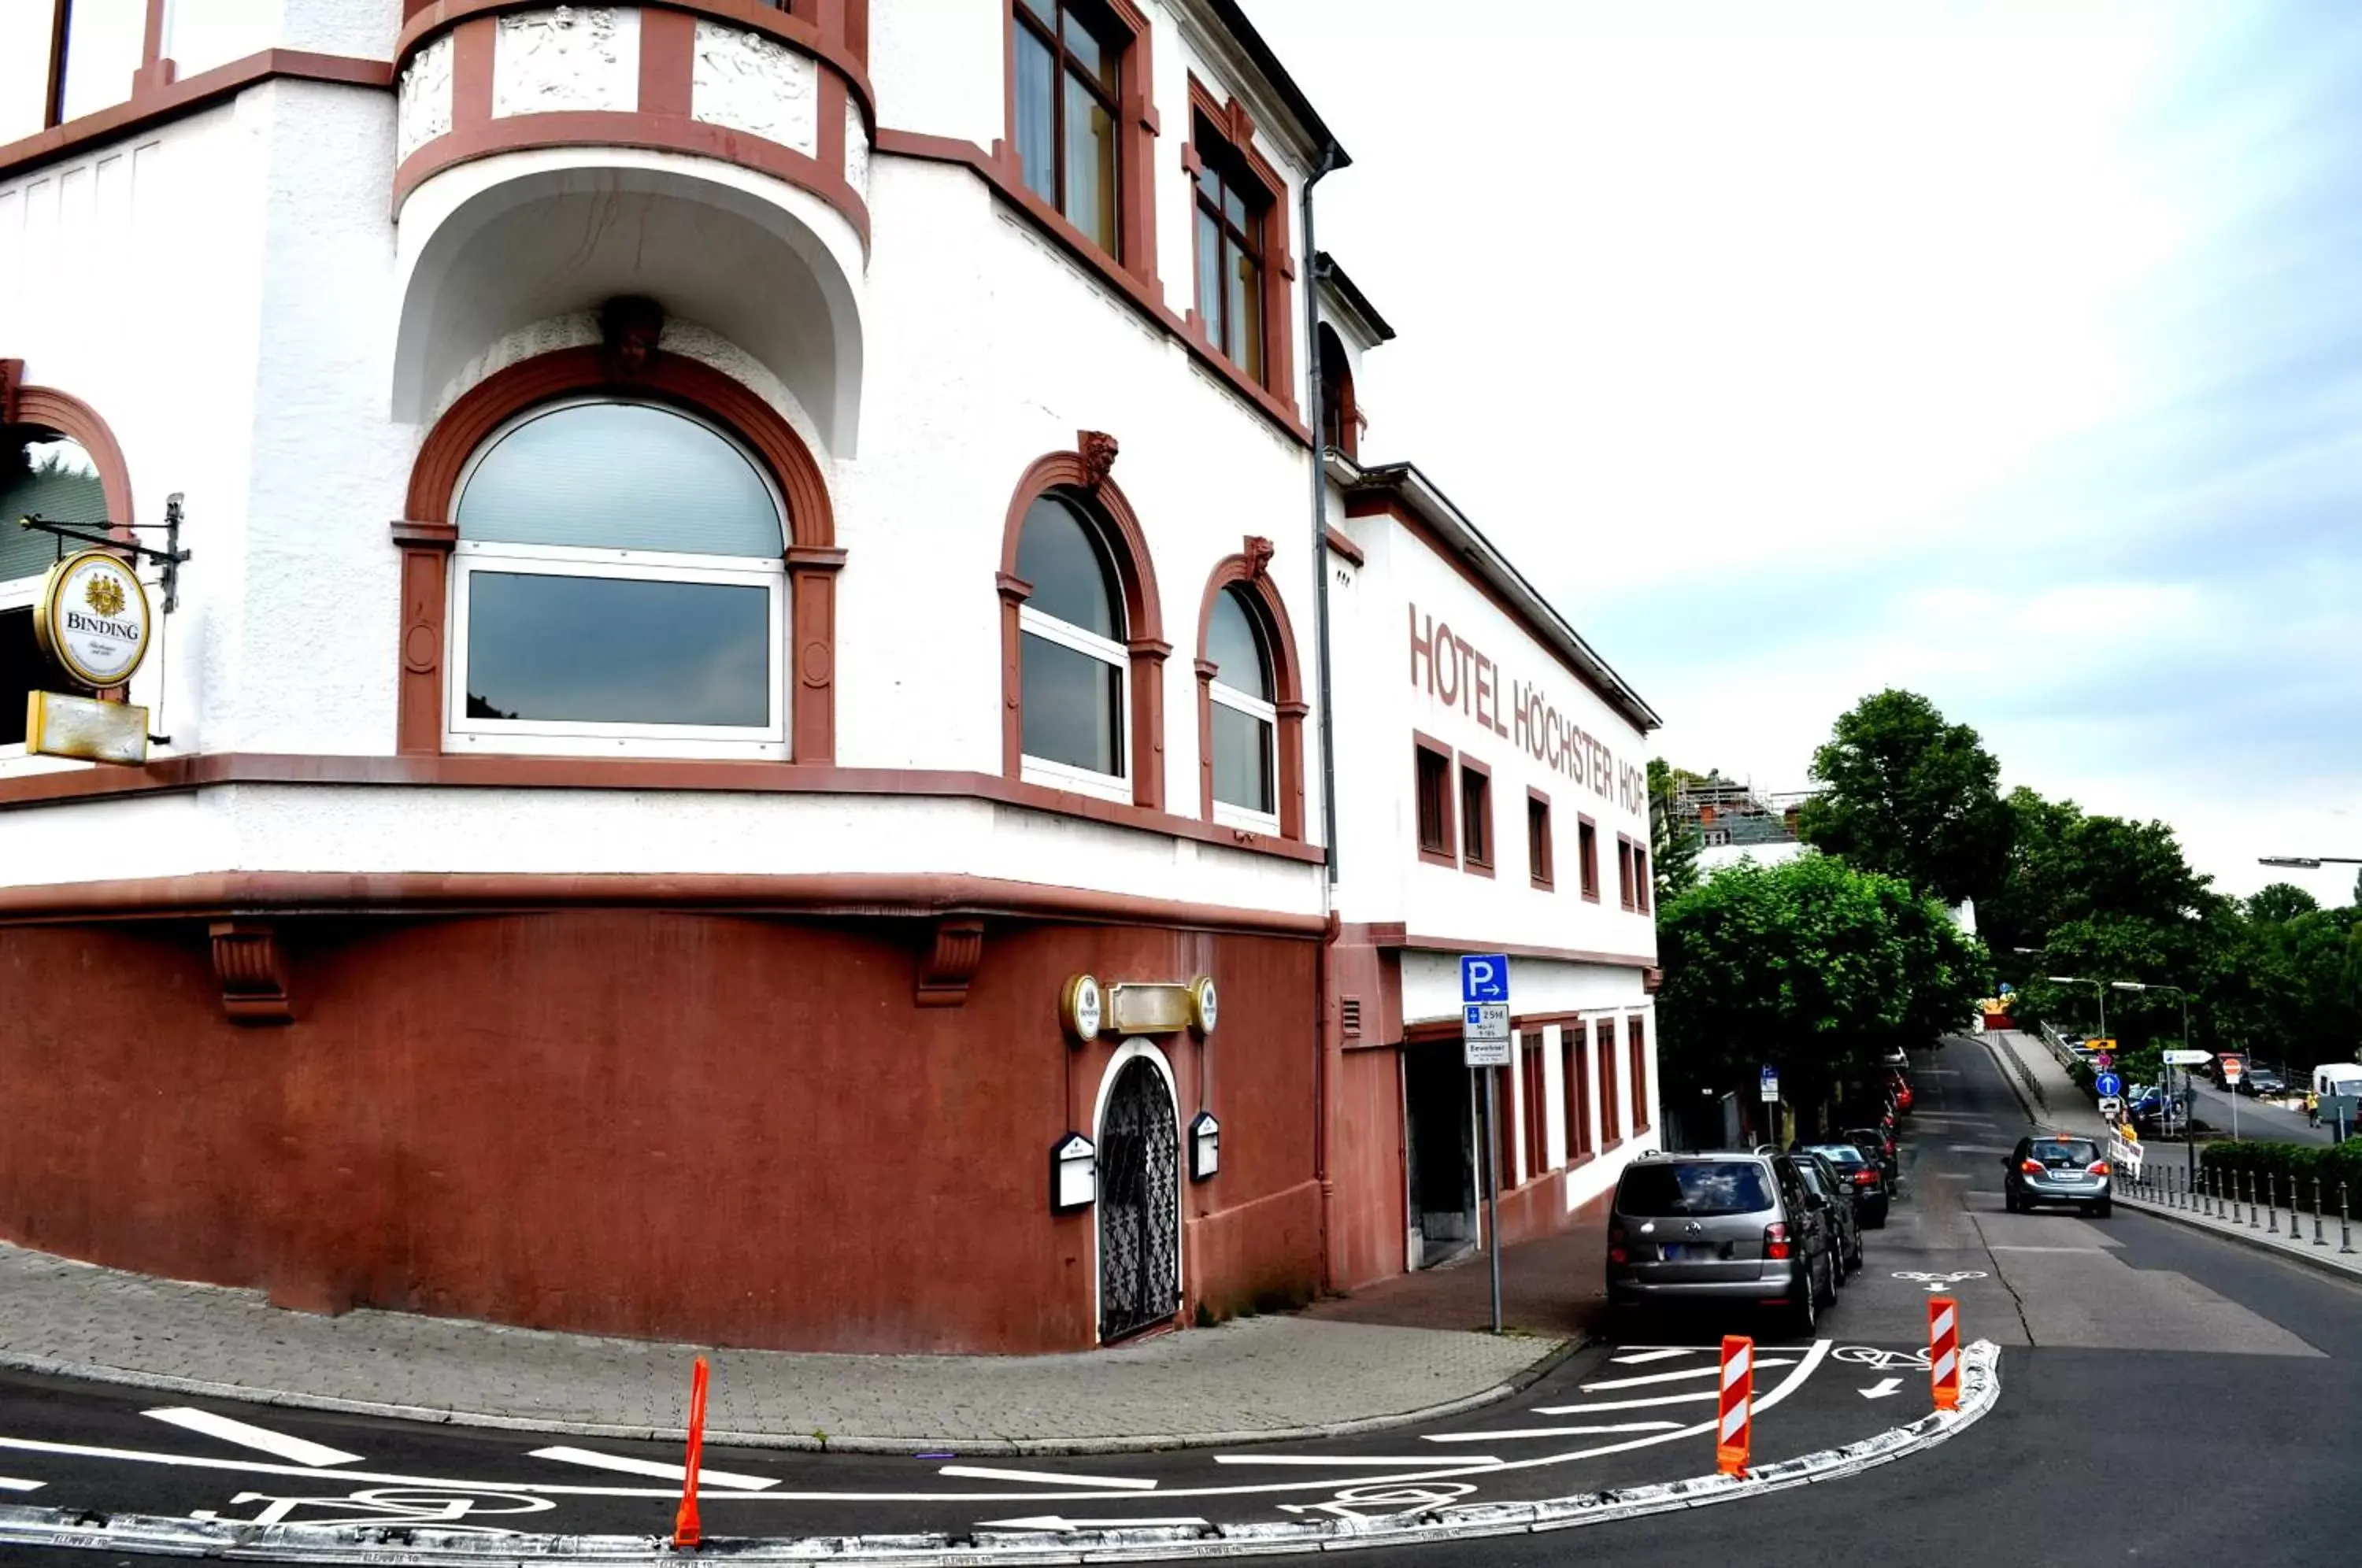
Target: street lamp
<point x="2099" y="986"/>
<point x="2189" y="1128"/>
<point x="2307" y="862"/>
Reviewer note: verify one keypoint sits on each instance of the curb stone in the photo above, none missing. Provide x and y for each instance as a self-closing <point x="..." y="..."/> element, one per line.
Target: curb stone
<point x="1980" y="1391"/>
<point x="1360" y="1426"/>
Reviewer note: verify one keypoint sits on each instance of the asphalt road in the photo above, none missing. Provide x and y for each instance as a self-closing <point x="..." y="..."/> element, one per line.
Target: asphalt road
<point x="2257" y="1118"/>
<point x="2165" y="1395"/>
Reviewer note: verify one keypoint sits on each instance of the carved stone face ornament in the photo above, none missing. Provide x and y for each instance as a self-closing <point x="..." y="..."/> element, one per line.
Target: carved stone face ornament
<point x="630" y="326"/>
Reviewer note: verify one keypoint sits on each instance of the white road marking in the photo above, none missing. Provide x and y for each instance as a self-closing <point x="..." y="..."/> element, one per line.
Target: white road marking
<point x="1714" y="1371"/>
<point x="1601" y="1407"/>
<point x="1057" y="1522"/>
<point x="1047" y="1477"/>
<point x="1557" y="1432"/>
<point x="261" y="1439"/>
<point x="1404" y="1461"/>
<point x="1796" y="1379"/>
<point x="656" y="1467"/>
<point x="10" y="1484"/>
<point x="1638" y="1356"/>
<point x="1884" y="1386"/>
<point x="2090" y="1252"/>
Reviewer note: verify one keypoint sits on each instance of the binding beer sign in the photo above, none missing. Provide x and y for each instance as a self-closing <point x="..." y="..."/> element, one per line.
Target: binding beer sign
<point x="92" y="619"/>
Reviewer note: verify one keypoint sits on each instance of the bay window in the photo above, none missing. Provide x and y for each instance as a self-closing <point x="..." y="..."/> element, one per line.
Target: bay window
<point x="618" y="586"/>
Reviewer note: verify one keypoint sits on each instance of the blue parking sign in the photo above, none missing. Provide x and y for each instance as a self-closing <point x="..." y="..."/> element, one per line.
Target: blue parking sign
<point x="1483" y="977"/>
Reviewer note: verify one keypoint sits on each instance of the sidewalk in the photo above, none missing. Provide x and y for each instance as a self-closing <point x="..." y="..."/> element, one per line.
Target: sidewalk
<point x="1405" y="1351"/>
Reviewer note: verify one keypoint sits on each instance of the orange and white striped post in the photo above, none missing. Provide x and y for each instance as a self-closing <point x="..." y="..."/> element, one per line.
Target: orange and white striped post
<point x="1735" y="1433"/>
<point x="1944" y="1351"/>
<point x="685" y="1532"/>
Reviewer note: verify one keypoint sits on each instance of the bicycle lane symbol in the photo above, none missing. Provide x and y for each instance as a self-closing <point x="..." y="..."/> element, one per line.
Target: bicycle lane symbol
<point x="389" y="1506"/>
<point x="1936" y="1282"/>
<point x="1878" y="1360"/>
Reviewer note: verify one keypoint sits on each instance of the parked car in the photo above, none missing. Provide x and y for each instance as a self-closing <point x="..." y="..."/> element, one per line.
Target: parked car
<point x="1862" y="1175"/>
<point x="2057" y="1168"/>
<point x="1897" y="1057"/>
<point x="1899" y="1088"/>
<point x="2263" y="1084"/>
<point x="1721" y="1229"/>
<point x="1880" y="1141"/>
<point x="1844" y="1216"/>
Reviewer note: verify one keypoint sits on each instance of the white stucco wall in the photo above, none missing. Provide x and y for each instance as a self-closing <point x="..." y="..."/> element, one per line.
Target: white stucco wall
<point x="202" y="34"/>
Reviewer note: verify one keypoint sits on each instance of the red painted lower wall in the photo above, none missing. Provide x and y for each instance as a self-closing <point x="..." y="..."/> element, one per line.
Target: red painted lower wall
<point x="729" y="1129"/>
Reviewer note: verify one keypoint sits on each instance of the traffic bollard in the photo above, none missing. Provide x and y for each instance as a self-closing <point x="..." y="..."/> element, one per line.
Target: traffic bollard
<point x="2255" y="1221"/>
<point x="1735" y="1433"/>
<point x="2206" y="1192"/>
<point x="2345" y="1227"/>
<point x="2272" y="1200"/>
<point x="2318" y="1239"/>
<point x="685" y="1530"/>
<point x="1944" y="1351"/>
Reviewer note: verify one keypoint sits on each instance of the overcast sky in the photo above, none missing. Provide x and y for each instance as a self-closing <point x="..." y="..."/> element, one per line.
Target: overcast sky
<point x="2009" y="352"/>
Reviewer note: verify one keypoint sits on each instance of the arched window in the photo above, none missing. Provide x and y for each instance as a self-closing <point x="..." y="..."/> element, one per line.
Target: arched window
<point x="51" y="476"/>
<point x="619" y="585"/>
<point x="1340" y="425"/>
<point x="1076" y="666"/>
<point x="1244" y="718"/>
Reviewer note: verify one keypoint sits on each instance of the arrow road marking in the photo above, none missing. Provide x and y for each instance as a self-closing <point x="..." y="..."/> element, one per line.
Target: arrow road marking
<point x="656" y="1467"/>
<point x="1885" y="1387"/>
<point x="1600" y="1407"/>
<point x="1055" y="1523"/>
<point x="1638" y="1356"/>
<point x="10" y="1484"/>
<point x="259" y="1437"/>
<point x="1557" y="1432"/>
<point x="1049" y="1478"/>
<point x="1674" y="1377"/>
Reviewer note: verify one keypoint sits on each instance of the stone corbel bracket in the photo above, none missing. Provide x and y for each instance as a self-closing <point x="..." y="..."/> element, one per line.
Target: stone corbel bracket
<point x="252" y="970"/>
<point x="953" y="951"/>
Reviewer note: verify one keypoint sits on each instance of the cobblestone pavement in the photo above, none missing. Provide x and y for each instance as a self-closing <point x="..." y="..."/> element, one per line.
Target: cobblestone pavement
<point x="1253" y="1378"/>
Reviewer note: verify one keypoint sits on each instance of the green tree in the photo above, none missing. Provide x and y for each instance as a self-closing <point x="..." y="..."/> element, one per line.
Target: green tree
<point x="1812" y="965"/>
<point x="1906" y="793"/>
<point x="1674" y="840"/>
<point x="2280" y="902"/>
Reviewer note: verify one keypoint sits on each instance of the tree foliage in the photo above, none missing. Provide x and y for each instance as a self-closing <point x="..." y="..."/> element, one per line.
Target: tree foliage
<point x="1673" y="841"/>
<point x="1812" y="965"/>
<point x="1906" y="793"/>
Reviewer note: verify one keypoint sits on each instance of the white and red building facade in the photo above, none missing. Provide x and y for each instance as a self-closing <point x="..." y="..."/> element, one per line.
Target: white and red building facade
<point x="736" y="548"/>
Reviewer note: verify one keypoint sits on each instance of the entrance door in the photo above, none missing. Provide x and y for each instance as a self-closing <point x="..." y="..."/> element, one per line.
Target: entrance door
<point x="1139" y="1205"/>
<point x="1442" y="1150"/>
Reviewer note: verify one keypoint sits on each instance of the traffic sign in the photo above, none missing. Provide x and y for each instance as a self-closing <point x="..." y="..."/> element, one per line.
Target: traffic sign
<point x="1771" y="1084"/>
<point x="2103" y="1061"/>
<point x="1484" y="1034"/>
<point x="2111" y="1107"/>
<point x="1483" y="977"/>
<point x="2187" y="1058"/>
<point x="2108" y="1085"/>
<point x="2233" y="1069"/>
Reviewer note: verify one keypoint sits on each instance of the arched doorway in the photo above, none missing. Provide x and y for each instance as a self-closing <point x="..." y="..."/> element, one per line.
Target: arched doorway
<point x="1139" y="1202"/>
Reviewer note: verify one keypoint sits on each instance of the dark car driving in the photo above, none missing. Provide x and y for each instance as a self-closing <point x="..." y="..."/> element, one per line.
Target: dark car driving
<point x="1862" y="1175"/>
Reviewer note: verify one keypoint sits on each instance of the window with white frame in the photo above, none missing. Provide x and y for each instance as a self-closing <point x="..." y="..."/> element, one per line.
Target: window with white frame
<point x="1075" y="670"/>
<point x="48" y="475"/>
<point x="619" y="586"/>
<point x="1245" y="721"/>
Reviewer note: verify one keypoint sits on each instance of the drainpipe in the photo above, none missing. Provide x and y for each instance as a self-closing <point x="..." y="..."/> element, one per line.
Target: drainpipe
<point x="1325" y="1074"/>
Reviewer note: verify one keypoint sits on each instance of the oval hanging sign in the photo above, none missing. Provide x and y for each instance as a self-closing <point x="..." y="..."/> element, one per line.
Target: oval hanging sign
<point x="92" y="619"/>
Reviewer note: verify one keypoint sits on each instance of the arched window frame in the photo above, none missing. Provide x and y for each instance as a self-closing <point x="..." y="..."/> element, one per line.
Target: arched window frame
<point x="1341" y="419"/>
<point x="470" y="556"/>
<point x="1249" y="572"/>
<point x="427" y="535"/>
<point x="1083" y="480"/>
<point x="61" y="413"/>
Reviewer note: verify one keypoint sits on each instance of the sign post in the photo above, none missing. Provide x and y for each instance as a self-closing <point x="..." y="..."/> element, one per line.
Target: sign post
<point x="2233" y="1069"/>
<point x="1483" y="1045"/>
<point x="2186" y="1060"/>
<point x="1770" y="1080"/>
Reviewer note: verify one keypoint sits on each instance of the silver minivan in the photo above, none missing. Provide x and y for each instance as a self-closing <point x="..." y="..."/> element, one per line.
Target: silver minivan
<point x="1738" y="1229"/>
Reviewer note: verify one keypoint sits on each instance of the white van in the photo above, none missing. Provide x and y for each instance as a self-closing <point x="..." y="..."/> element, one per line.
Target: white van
<point x="2331" y="1081"/>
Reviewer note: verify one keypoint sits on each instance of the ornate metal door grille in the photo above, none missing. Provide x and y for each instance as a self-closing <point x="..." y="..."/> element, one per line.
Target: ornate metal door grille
<point x="1139" y="1205"/>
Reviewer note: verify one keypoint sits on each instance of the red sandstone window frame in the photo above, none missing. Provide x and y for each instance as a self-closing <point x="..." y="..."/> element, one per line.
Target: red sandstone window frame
<point x="1128" y="33"/>
<point x="1433" y="833"/>
<point x="1636" y="1039"/>
<point x="1475" y="801"/>
<point x="1108" y="31"/>
<point x="1248" y="573"/>
<point x="1624" y="893"/>
<point x="1611" y="1105"/>
<point x="1575" y="1064"/>
<point x="1221" y="133"/>
<point x="1586" y="836"/>
<point x="1081" y="478"/>
<point x="1541" y="852"/>
<point x="1537" y="1117"/>
<point x="1640" y="875"/>
<point x="152" y="74"/>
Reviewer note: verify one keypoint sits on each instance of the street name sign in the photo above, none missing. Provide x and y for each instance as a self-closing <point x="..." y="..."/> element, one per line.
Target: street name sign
<point x="1484" y="1034"/>
<point x="2187" y="1058"/>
